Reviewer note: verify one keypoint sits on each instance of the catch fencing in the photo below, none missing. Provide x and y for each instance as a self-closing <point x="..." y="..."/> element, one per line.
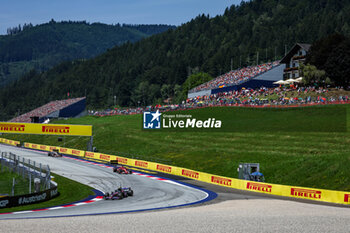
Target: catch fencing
<point x="28" y="176"/>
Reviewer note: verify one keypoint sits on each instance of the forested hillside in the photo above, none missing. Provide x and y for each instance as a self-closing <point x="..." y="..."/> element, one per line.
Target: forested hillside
<point x="41" y="47"/>
<point x="151" y="69"/>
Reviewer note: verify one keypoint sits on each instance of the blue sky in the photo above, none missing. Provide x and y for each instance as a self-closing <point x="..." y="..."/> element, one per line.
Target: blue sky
<point x="175" y="12"/>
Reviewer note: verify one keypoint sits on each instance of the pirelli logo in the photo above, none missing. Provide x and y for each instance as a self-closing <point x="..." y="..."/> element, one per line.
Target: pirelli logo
<point x="122" y="160"/>
<point x="75" y="152"/>
<point x="34" y="146"/>
<point x="43" y="147"/>
<point x="190" y="174"/>
<point x="105" y="157"/>
<point x="90" y="154"/>
<point x="308" y="193"/>
<point x="48" y="129"/>
<point x="63" y="150"/>
<point x="163" y="168"/>
<point x="220" y="180"/>
<point x="12" y="128"/>
<point x="141" y="164"/>
<point x="55" y="129"/>
<point x="347" y="198"/>
<point x="52" y="148"/>
<point x="259" y="187"/>
<point x="26" y="144"/>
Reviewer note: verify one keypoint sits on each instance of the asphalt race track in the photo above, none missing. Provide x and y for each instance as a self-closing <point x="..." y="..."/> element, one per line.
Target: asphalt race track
<point x="231" y="211"/>
<point x="148" y="193"/>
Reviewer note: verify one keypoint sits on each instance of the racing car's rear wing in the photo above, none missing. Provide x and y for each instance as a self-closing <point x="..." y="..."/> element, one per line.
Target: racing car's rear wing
<point x="113" y="162"/>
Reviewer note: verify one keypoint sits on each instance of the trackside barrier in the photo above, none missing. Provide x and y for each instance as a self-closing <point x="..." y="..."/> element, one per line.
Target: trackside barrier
<point x="331" y="196"/>
<point x="103" y="157"/>
<point x="9" y="142"/>
<point x="13" y="201"/>
<point x="44" y="188"/>
<point x="338" y="197"/>
<point x="62" y="150"/>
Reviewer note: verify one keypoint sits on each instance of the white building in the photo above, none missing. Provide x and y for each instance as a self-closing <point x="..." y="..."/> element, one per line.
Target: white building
<point x="293" y="59"/>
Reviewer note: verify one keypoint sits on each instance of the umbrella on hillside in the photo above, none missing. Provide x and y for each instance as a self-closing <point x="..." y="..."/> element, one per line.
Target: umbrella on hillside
<point x="280" y="82"/>
<point x="290" y="80"/>
<point x="277" y="82"/>
<point x="299" y="79"/>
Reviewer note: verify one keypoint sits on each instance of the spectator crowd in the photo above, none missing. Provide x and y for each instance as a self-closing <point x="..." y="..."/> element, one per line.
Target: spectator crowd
<point x="235" y="77"/>
<point x="268" y="97"/>
<point x="262" y="97"/>
<point x="45" y="110"/>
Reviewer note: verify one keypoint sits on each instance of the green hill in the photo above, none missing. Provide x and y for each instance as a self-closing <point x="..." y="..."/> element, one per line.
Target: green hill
<point x="150" y="70"/>
<point x="304" y="158"/>
<point x="43" y="46"/>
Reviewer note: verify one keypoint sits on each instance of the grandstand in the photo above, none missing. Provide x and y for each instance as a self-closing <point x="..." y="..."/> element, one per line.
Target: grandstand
<point x="249" y="77"/>
<point x="55" y="109"/>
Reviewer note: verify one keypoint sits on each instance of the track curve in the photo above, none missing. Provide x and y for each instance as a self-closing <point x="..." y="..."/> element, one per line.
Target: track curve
<point x="150" y="193"/>
<point x="232" y="211"/>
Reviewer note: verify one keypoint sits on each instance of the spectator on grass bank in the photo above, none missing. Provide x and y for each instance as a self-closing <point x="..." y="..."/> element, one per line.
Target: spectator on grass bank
<point x="262" y="97"/>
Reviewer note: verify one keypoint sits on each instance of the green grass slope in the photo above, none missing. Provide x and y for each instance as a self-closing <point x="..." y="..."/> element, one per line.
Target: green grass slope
<point x="6" y="182"/>
<point x="303" y="158"/>
<point x="70" y="191"/>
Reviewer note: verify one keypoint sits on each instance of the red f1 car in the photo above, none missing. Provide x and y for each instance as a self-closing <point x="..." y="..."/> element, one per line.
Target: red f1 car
<point x="120" y="169"/>
<point x="118" y="194"/>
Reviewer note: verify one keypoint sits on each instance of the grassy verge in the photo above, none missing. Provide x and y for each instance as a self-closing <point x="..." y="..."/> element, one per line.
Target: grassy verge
<point x="70" y="191"/>
<point x="6" y="181"/>
<point x="309" y="159"/>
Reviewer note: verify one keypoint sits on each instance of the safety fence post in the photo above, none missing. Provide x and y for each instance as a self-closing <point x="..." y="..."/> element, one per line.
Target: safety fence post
<point x="30" y="182"/>
<point x="13" y="186"/>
